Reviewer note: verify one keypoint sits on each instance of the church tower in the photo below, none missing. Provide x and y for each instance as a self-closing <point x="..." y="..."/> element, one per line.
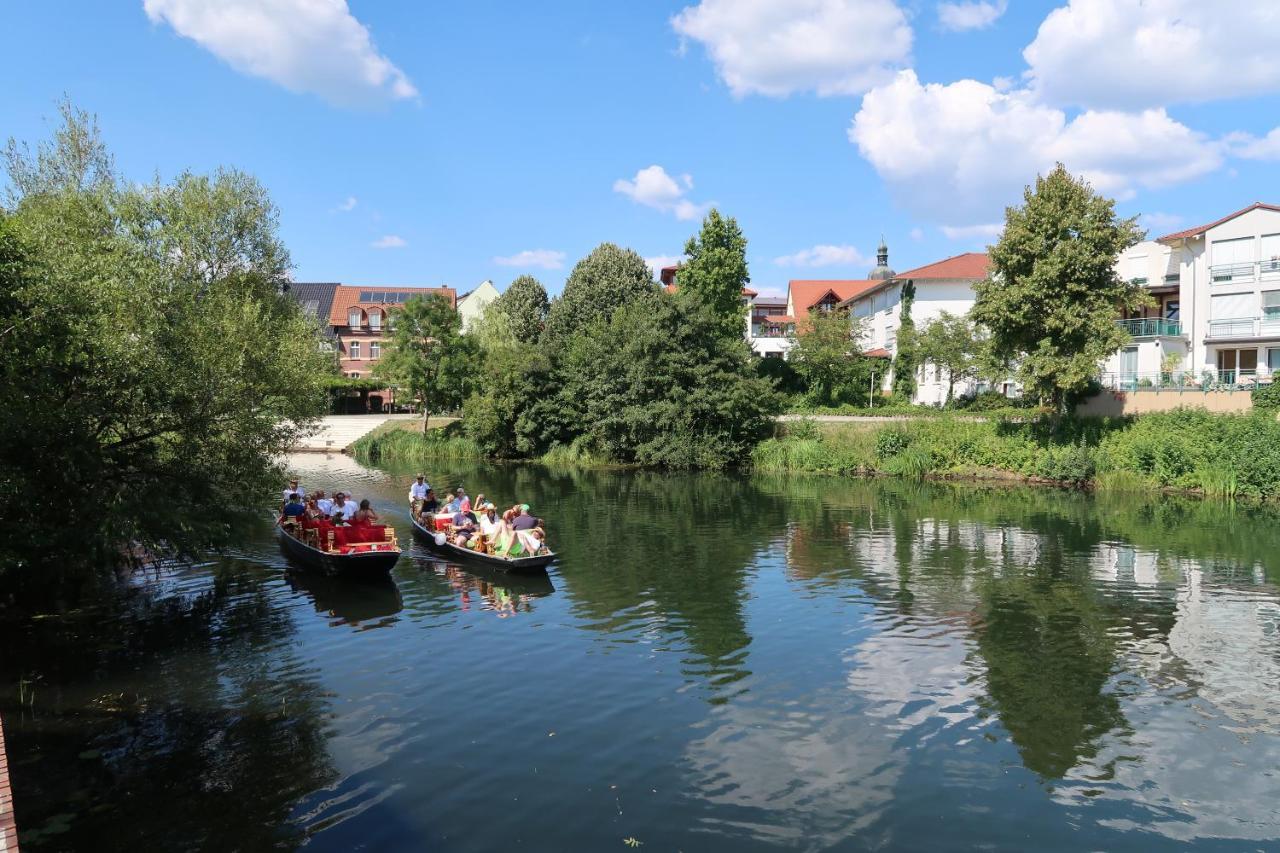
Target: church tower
<point x="882" y="270"/>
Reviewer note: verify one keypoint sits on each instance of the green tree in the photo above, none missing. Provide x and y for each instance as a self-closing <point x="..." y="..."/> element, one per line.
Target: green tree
<point x="508" y="415"/>
<point x="157" y="369"/>
<point x="951" y="343"/>
<point x="715" y="271"/>
<point x="1052" y="296"/>
<point x="525" y="305"/>
<point x="658" y="384"/>
<point x="825" y="354"/>
<point x="600" y="283"/>
<point x="907" y="359"/>
<point x="428" y="355"/>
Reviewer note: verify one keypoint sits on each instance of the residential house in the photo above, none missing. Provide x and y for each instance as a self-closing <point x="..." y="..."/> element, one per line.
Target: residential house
<point x="768" y="326"/>
<point x="472" y="304"/>
<point x="1216" y="313"/>
<point x="361" y="319"/>
<point x="942" y="286"/>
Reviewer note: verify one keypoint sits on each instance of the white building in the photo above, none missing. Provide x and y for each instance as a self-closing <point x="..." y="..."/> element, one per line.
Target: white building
<point x="943" y="286"/>
<point x="1216" y="320"/>
<point x="471" y="304"/>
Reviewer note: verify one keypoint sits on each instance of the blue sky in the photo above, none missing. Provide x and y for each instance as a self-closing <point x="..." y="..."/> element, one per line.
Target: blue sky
<point x="414" y="143"/>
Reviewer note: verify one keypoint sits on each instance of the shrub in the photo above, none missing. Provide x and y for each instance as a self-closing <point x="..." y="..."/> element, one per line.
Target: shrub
<point x="1073" y="464"/>
<point x="1266" y="398"/>
<point x="891" y="442"/>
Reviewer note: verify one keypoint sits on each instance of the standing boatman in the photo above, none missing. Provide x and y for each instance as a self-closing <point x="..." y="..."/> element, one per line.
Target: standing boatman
<point x="418" y="492"/>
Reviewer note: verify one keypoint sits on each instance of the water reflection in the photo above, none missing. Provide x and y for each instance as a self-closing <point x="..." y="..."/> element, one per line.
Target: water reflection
<point x="716" y="662"/>
<point x="360" y="603"/>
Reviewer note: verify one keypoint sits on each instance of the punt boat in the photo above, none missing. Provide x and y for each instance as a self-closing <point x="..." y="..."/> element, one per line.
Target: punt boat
<point x="439" y="544"/>
<point x="354" y="552"/>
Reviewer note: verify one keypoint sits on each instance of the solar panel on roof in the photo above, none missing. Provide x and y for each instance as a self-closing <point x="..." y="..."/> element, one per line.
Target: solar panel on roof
<point x="366" y="296"/>
<point x="378" y="296"/>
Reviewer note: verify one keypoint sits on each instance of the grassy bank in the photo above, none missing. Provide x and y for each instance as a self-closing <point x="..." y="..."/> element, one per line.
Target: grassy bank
<point x="404" y="441"/>
<point x="1192" y="450"/>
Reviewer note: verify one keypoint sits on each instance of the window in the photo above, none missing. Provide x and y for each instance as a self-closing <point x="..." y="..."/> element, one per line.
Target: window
<point x="1231" y="260"/>
<point x="355" y="374"/>
<point x="375" y="350"/>
<point x="353" y="349"/>
<point x="375" y="320"/>
<point x="890" y="338"/>
<point x="311" y="307"/>
<point x="1273" y="360"/>
<point x="1271" y="306"/>
<point x="1172" y="310"/>
<point x="862" y="308"/>
<point x="353" y="317"/>
<point x="1270" y="255"/>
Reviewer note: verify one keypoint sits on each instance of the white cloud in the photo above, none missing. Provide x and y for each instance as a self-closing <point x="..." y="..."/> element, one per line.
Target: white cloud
<point x="959" y="153"/>
<point x="1254" y="148"/>
<point x="347" y="205"/>
<point x="970" y="15"/>
<point x="390" y="241"/>
<point x="657" y="262"/>
<point x="823" y="255"/>
<point x="970" y="232"/>
<point x="1130" y="54"/>
<point x="314" y="46"/>
<point x="653" y="187"/>
<point x="832" y="47"/>
<point x="547" y="259"/>
<point x="917" y="234"/>
<point x="1161" y="221"/>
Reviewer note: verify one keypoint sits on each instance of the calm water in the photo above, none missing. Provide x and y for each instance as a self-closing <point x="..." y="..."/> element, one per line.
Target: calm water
<point x="716" y="663"/>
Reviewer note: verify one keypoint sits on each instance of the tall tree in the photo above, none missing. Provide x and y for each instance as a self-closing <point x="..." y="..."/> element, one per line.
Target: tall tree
<point x="951" y="343"/>
<point x="600" y="283"/>
<point x="715" y="271"/>
<point x="907" y="359"/>
<point x="429" y="356"/>
<point x="658" y="384"/>
<point x="825" y="353"/>
<point x="525" y="305"/>
<point x="1052" y="295"/>
<point x="161" y="371"/>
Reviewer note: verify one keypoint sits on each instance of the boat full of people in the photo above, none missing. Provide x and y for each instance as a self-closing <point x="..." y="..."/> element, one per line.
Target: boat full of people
<point x="335" y="536"/>
<point x="513" y="540"/>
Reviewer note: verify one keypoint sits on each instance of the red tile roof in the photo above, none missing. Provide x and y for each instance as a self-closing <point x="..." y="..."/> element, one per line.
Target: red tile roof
<point x="806" y="293"/>
<point x="347" y="296"/>
<point x="1200" y="229"/>
<point x="878" y="352"/>
<point x="969" y="265"/>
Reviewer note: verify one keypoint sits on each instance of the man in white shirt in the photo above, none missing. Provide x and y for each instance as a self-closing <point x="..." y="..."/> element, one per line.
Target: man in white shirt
<point x="344" y="506"/>
<point x="294" y="489"/>
<point x="418" y="491"/>
<point x="324" y="504"/>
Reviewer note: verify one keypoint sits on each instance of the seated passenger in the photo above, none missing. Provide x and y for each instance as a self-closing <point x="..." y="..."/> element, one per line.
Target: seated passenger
<point x="325" y="504"/>
<point x="430" y="506"/>
<point x="365" y="516"/>
<point x="525" y="521"/>
<point x="293" y="508"/>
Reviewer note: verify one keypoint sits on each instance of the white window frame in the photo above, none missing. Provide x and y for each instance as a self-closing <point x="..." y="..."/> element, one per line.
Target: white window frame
<point x="353" y="350"/>
<point x="375" y="320"/>
<point x="355" y="318"/>
<point x="375" y="350"/>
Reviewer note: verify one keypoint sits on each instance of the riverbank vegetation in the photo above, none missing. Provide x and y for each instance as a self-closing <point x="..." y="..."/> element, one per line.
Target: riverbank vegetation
<point x="1187" y="449"/>
<point x="155" y="367"/>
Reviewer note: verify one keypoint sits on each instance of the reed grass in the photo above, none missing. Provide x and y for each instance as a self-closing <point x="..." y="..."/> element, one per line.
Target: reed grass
<point x="404" y="442"/>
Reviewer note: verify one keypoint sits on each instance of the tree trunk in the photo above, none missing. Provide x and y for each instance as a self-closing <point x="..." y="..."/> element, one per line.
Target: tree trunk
<point x="426" y="417"/>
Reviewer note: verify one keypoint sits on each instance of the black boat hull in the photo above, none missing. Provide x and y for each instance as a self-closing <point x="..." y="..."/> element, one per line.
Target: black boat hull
<point x="369" y="564"/>
<point x="449" y="551"/>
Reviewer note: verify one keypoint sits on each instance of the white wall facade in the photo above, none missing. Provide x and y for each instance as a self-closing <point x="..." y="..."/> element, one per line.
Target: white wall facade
<point x="471" y="307"/>
<point x="881" y="316"/>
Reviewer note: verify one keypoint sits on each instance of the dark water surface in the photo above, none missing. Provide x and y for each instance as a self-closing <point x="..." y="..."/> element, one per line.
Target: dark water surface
<point x="716" y="663"/>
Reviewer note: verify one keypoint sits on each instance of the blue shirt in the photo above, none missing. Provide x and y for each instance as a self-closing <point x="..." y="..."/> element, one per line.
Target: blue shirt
<point x="294" y="509"/>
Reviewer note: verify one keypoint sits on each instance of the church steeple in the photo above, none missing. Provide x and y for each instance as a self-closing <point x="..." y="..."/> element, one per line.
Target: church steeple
<point x="882" y="270"/>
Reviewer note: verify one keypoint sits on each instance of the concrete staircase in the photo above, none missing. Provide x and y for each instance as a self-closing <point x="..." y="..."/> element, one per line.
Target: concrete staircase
<point x="338" y="432"/>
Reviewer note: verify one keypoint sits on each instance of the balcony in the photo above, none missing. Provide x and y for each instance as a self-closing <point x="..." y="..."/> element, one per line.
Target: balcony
<point x="768" y="332"/>
<point x="1152" y="327"/>
<point x="1244" y="273"/>
<point x="1183" y="381"/>
<point x="1249" y="327"/>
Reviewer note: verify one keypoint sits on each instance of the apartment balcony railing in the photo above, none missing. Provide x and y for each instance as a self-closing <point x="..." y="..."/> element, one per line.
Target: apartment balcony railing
<point x="1249" y="327"/>
<point x="768" y="332"/>
<point x="1182" y="380"/>
<point x="1152" y="327"/>
<point x="1236" y="273"/>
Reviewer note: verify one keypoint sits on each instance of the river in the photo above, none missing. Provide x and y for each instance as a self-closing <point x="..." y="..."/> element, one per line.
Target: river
<point x="715" y="663"/>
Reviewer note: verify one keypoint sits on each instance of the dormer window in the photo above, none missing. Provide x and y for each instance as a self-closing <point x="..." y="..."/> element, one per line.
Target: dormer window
<point x="353" y="318"/>
<point x="375" y="320"/>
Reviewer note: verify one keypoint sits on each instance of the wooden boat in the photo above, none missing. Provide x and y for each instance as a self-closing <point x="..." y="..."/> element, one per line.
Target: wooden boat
<point x="356" y="560"/>
<point x="465" y="555"/>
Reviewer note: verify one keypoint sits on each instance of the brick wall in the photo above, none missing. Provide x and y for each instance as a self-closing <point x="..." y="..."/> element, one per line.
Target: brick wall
<point x="1143" y="402"/>
<point x="8" y="831"/>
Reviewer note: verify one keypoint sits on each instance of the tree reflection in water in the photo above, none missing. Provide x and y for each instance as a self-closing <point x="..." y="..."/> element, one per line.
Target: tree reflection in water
<point x="172" y="716"/>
